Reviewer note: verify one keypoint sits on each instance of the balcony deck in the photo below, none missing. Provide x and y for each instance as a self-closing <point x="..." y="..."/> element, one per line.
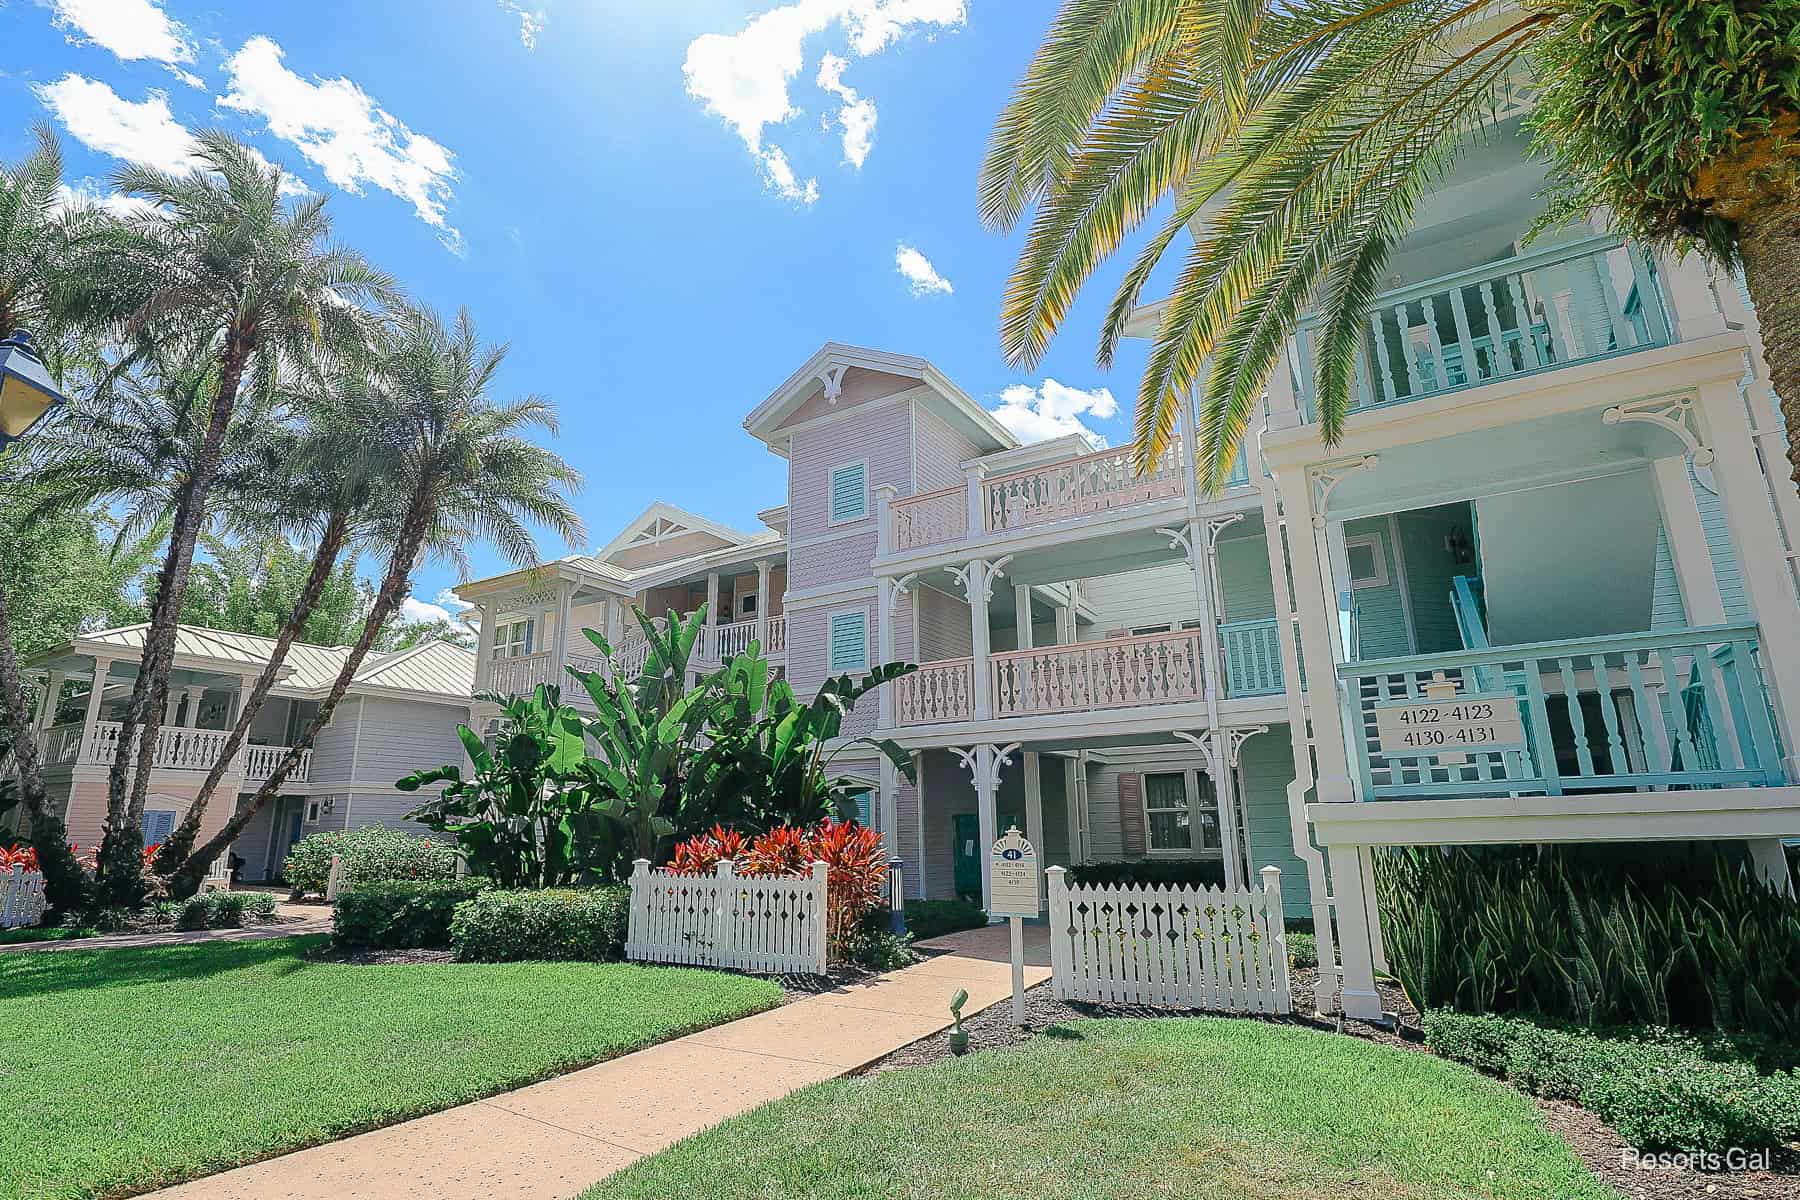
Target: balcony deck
<point x="521" y="675"/>
<point x="178" y="748"/>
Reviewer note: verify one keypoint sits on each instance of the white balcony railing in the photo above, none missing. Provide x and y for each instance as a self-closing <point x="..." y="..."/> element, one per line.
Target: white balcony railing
<point x="777" y="635"/>
<point x="1076" y="487"/>
<point x="260" y="763"/>
<point x="936" y="692"/>
<point x="931" y="518"/>
<point x="520" y="676"/>
<point x="178" y="748"/>
<point x="1159" y="668"/>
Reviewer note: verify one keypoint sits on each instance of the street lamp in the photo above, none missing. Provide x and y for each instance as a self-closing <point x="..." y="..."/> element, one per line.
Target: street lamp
<point x="27" y="392"/>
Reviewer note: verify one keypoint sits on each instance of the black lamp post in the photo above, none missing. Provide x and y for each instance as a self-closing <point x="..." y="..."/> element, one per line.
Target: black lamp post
<point x="27" y="393"/>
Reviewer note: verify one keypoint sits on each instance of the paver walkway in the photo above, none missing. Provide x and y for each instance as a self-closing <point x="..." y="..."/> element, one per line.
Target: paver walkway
<point x="553" y="1139"/>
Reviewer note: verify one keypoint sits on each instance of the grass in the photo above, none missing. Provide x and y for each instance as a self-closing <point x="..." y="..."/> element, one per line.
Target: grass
<point x="45" y="933"/>
<point x="1127" y="1109"/>
<point x="124" y="1070"/>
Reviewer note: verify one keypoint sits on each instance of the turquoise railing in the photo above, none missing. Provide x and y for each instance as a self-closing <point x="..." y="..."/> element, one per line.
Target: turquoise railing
<point x="1565" y="304"/>
<point x="1252" y="653"/>
<point x="1685" y="708"/>
<point x="1471" y="619"/>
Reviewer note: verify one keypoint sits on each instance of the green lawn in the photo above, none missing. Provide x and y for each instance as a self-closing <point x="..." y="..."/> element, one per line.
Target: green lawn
<point x="1130" y="1109"/>
<point x="44" y="933"/>
<point x="122" y="1070"/>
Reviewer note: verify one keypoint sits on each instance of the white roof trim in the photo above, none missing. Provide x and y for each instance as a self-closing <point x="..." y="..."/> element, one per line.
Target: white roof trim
<point x="661" y="512"/>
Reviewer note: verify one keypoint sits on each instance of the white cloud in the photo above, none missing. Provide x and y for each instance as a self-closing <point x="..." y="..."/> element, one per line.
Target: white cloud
<point x="447" y="598"/>
<point x="143" y="131"/>
<point x="339" y="128"/>
<point x="531" y="23"/>
<point x="921" y="276"/>
<point x="1054" y="410"/>
<point x="743" y="78"/>
<point x="87" y="191"/>
<point x="132" y="30"/>
<point x="857" y="115"/>
<point x="414" y="609"/>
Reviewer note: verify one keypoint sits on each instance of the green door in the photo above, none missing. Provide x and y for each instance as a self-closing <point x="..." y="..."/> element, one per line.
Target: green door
<point x="966" y="853"/>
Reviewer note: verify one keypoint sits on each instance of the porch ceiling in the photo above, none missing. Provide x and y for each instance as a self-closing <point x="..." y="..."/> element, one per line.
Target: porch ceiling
<point x="1494" y="461"/>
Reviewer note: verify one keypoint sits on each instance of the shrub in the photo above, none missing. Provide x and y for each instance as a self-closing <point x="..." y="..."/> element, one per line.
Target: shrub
<point x="405" y="915"/>
<point x="1151" y="873"/>
<point x="1693" y="943"/>
<point x="879" y="948"/>
<point x="855" y="866"/>
<point x="1303" y="950"/>
<point x="927" y="919"/>
<point x="225" y="910"/>
<point x="1662" y="1090"/>
<point x="372" y="854"/>
<point x="584" y="925"/>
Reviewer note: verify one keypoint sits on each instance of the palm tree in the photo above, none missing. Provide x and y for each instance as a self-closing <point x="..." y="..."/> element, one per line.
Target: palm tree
<point x="1298" y="139"/>
<point x="461" y="472"/>
<point x="223" y="263"/>
<point x="332" y="471"/>
<point x="45" y="273"/>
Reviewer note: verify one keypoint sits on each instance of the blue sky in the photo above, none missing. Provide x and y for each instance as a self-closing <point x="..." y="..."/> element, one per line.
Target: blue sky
<point x="664" y="208"/>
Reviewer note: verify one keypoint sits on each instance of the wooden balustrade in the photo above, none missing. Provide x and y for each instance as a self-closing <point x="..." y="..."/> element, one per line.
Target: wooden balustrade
<point x="930" y="518"/>
<point x="519" y="676"/>
<point x="936" y="692"/>
<point x="1650" y="711"/>
<point x="260" y="763"/>
<point x="1158" y="668"/>
<point x="1075" y="487"/>
<point x="1564" y="304"/>
<point x="1251" y="656"/>
<point x="777" y="635"/>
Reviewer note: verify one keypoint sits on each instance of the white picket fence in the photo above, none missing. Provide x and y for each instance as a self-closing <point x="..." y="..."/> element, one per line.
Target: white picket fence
<point x="21" y="898"/>
<point x="771" y="926"/>
<point x="1181" y="947"/>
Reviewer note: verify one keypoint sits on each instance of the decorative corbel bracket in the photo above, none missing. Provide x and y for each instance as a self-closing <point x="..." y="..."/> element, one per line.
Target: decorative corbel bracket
<point x="1326" y="477"/>
<point x="1680" y="415"/>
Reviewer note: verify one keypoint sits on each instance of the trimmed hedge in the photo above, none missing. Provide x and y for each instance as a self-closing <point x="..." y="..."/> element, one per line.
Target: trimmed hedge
<point x="1662" y="1090"/>
<point x="582" y="925"/>
<point x="935" y="918"/>
<point x="225" y="910"/>
<point x="400" y="916"/>
<point x="372" y="854"/>
<point x="1149" y="873"/>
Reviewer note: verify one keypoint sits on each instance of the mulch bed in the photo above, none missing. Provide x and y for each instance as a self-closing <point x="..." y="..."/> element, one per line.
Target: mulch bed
<point x="1593" y="1141"/>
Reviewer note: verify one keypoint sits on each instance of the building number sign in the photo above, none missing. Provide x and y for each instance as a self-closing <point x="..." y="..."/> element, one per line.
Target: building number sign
<point x="1448" y="725"/>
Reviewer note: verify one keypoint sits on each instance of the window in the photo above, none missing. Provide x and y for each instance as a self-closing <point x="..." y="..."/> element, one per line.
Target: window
<point x="747" y="605"/>
<point x="1146" y="630"/>
<point x="1181" y="811"/>
<point x="1368" y="561"/>
<point x="158" y="824"/>
<point x="849" y="642"/>
<point x="312" y="812"/>
<point x="859" y="804"/>
<point x="849" y="493"/>
<point x="513" y="640"/>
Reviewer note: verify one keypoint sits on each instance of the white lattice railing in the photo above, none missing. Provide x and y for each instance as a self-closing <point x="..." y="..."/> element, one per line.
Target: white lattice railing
<point x="260" y="763"/>
<point x="777" y="635"/>
<point x="936" y="692"/>
<point x="62" y="744"/>
<point x="176" y="746"/>
<point x="930" y="518"/>
<point x="1075" y="487"/>
<point x="1158" y="668"/>
<point x="519" y="676"/>
<point x="774" y="926"/>
<point x="21" y="898"/>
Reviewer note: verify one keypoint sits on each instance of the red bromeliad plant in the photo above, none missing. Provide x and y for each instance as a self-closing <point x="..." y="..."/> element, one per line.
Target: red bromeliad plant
<point x="18" y="855"/>
<point x="855" y="865"/>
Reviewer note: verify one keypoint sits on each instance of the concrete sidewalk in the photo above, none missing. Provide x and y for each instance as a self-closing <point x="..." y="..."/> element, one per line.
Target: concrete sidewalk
<point x="553" y="1139"/>
<point x="295" y="920"/>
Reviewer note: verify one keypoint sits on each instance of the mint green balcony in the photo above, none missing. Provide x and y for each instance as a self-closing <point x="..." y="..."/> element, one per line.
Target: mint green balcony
<point x="1252" y="654"/>
<point x="1686" y="708"/>
<point x="1573" y="303"/>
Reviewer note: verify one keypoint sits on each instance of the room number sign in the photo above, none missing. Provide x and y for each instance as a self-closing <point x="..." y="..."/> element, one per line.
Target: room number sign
<point x="1449" y="725"/>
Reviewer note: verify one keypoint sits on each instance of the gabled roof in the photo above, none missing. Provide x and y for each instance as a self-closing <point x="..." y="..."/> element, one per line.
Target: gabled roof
<point x="662" y="521"/>
<point x="824" y="371"/>
<point x="434" y="669"/>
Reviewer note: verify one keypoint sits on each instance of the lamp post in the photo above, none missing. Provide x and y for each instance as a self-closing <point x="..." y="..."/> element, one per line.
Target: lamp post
<point x="27" y="393"/>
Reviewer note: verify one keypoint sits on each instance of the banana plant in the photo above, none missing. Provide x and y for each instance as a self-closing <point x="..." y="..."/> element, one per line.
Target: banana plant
<point x="525" y="816"/>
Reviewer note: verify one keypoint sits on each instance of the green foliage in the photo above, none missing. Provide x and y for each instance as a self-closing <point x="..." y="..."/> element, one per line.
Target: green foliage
<point x="400" y="916"/>
<point x="1148" y="873"/>
<point x="1671" y="116"/>
<point x="1662" y="1090"/>
<point x="371" y="854"/>
<point x="225" y="910"/>
<point x="926" y="919"/>
<point x="526" y="817"/>
<point x="874" y="946"/>
<point x="1303" y="950"/>
<point x="582" y="925"/>
<point x="65" y="572"/>
<point x="1700" y="946"/>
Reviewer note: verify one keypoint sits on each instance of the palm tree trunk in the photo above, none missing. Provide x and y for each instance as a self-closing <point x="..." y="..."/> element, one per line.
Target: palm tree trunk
<point x="331" y="544"/>
<point x="394" y="586"/>
<point x="65" y="883"/>
<point x="1769" y="241"/>
<point x="121" y="864"/>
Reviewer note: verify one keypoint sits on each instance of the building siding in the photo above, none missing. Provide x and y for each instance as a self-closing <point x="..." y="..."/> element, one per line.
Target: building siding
<point x="335" y="748"/>
<point x="1266" y="769"/>
<point x="401" y="736"/>
<point x="1667" y="611"/>
<point x="941" y="451"/>
<point x="1724" y="555"/>
<point x="881" y="436"/>
<point x="948" y="791"/>
<point x="945" y="628"/>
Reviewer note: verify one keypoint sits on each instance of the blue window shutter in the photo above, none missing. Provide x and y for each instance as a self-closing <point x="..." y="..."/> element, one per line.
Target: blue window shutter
<point x="849" y="642"/>
<point x="157" y="825"/>
<point x="849" y="496"/>
<point x="862" y="799"/>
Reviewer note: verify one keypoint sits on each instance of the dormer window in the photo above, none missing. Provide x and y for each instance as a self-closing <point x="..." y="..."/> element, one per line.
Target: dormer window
<point x="849" y="493"/>
<point x="513" y="640"/>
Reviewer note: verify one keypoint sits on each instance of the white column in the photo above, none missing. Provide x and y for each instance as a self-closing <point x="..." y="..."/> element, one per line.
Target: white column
<point x="53" y="684"/>
<point x="559" y="652"/>
<point x="976" y="584"/>
<point x="977" y="523"/>
<point x="1034" y="811"/>
<point x="1359" y="997"/>
<point x="1687" y="542"/>
<point x="888" y="811"/>
<point x="1336" y="566"/>
<point x="1225" y="791"/>
<point x="1317" y="617"/>
<point x="762" y="607"/>
<point x="709" y="638"/>
<point x="1688" y="284"/>
<point x="193" y="696"/>
<point x="485" y="615"/>
<point x="988" y="817"/>
<point x="102" y="666"/>
<point x="884" y="519"/>
<point x="884" y="642"/>
<point x="1744" y="490"/>
<point x="1072" y="773"/>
